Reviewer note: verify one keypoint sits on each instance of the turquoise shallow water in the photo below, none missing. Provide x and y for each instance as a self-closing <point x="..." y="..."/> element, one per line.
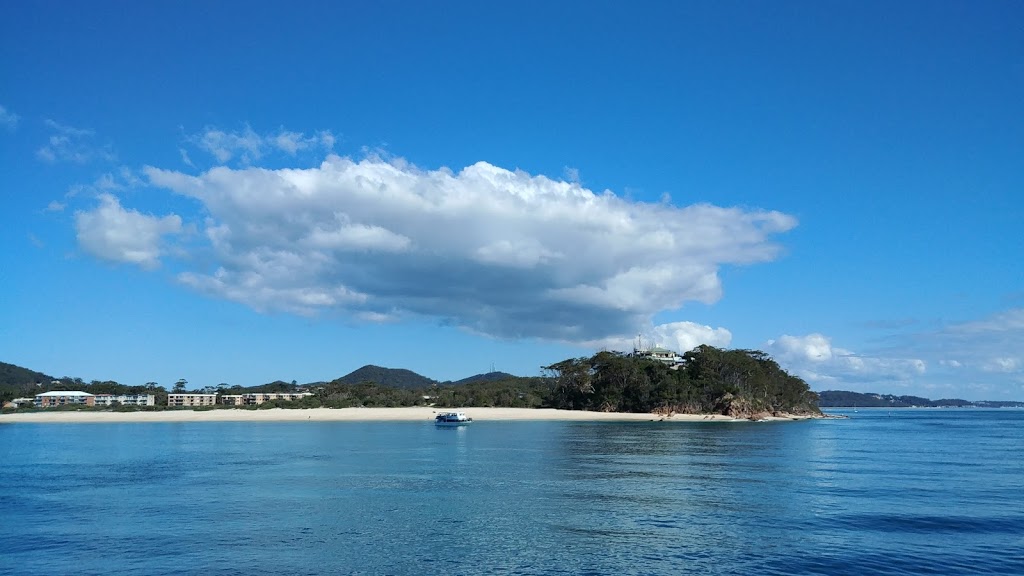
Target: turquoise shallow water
<point x="900" y="492"/>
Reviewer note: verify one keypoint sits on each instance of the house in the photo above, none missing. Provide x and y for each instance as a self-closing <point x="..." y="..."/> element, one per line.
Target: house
<point x="669" y="357"/>
<point x="64" y="398"/>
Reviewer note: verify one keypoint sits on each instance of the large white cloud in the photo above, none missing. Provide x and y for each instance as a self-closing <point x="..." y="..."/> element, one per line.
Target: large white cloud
<point x="112" y="233"/>
<point x="496" y="251"/>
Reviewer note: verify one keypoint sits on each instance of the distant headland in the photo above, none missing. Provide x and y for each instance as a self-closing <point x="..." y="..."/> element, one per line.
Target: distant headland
<point x="845" y="399"/>
<point x="737" y="384"/>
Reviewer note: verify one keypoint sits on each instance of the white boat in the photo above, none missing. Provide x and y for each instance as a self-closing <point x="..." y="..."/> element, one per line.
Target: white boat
<point x="452" y="419"/>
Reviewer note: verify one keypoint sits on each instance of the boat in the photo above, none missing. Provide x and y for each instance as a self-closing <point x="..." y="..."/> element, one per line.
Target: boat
<point x="452" y="419"/>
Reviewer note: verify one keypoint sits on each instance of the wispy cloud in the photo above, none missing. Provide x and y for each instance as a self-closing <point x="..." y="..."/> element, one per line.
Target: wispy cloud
<point x="495" y="251"/>
<point x="8" y="119"/>
<point x="982" y="355"/>
<point x="247" y="146"/>
<point x="814" y="358"/>
<point x="70" y="144"/>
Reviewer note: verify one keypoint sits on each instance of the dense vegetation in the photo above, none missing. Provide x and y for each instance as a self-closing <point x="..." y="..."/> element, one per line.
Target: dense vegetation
<point x="741" y="383"/>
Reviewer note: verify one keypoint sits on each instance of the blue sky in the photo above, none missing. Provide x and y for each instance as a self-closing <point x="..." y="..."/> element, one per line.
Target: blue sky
<point x="243" y="192"/>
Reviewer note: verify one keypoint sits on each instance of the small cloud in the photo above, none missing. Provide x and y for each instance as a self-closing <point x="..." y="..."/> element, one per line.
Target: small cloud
<point x="36" y="241"/>
<point x="1004" y="365"/>
<point x="55" y="206"/>
<point x="185" y="159"/>
<point x="8" y="119"/>
<point x="112" y="233"/>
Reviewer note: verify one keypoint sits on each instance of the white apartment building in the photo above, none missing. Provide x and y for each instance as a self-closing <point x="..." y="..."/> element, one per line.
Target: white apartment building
<point x="191" y="400"/>
<point x="126" y="399"/>
<point x="255" y="399"/>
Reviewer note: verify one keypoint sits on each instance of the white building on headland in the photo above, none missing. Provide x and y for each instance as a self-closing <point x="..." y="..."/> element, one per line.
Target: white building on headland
<point x="673" y="359"/>
<point x="126" y="399"/>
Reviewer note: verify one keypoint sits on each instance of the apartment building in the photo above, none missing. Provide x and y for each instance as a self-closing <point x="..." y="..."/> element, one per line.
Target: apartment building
<point x="126" y="399"/>
<point x="255" y="399"/>
<point x="189" y="400"/>
<point x="63" y="398"/>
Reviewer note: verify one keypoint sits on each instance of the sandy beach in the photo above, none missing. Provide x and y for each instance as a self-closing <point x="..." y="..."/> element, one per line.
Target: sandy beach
<point x="418" y="413"/>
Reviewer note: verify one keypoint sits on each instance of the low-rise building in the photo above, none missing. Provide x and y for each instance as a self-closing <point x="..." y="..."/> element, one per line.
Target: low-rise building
<point x="257" y="398"/>
<point x="20" y="403"/>
<point x="260" y="398"/>
<point x="64" y="398"/>
<point x="189" y="400"/>
<point x="126" y="399"/>
<point x="232" y="399"/>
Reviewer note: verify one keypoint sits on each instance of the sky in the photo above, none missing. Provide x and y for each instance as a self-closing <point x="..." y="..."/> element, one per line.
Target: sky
<point x="242" y="192"/>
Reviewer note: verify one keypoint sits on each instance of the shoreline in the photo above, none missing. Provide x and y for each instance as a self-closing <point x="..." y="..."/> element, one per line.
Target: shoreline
<point x="408" y="414"/>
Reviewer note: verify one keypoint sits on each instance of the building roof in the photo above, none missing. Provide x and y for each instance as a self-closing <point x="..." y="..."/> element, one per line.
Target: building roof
<point x="64" y="393"/>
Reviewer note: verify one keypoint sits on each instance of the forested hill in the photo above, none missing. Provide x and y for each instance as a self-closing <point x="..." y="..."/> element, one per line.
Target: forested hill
<point x="392" y="377"/>
<point x="846" y="399"/>
<point x="738" y="383"/>
<point x="16" y="381"/>
<point x="16" y="376"/>
<point x="488" y="377"/>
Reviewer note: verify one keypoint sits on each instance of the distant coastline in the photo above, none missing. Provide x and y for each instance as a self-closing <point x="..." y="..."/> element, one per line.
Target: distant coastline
<point x="409" y="414"/>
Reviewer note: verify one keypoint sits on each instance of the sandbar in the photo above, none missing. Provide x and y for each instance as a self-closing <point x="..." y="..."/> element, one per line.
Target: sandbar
<point x="410" y="414"/>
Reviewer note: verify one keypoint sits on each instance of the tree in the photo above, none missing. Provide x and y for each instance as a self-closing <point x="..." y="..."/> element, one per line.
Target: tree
<point x="179" y="386"/>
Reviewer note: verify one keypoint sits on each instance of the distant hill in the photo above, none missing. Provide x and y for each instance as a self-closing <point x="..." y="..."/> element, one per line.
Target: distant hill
<point x="393" y="377"/>
<point x="17" y="381"/>
<point x="846" y="399"/>
<point x="488" y="377"/>
<point x="12" y="375"/>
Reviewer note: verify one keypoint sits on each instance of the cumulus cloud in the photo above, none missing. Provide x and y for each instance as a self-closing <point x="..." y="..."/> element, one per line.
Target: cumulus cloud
<point x="677" y="336"/>
<point x="495" y="251"/>
<point x="8" y="119"/>
<point x="113" y="233"/>
<point x="70" y="144"/>
<point x="248" y="146"/>
<point x="814" y="358"/>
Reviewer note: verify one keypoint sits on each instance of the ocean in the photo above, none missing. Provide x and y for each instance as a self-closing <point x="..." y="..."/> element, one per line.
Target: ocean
<point x="908" y="491"/>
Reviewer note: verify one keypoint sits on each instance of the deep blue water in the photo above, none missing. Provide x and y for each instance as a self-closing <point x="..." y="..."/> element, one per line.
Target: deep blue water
<point x="900" y="492"/>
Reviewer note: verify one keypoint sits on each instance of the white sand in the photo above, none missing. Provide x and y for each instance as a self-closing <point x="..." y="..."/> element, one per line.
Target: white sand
<point x="350" y="415"/>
